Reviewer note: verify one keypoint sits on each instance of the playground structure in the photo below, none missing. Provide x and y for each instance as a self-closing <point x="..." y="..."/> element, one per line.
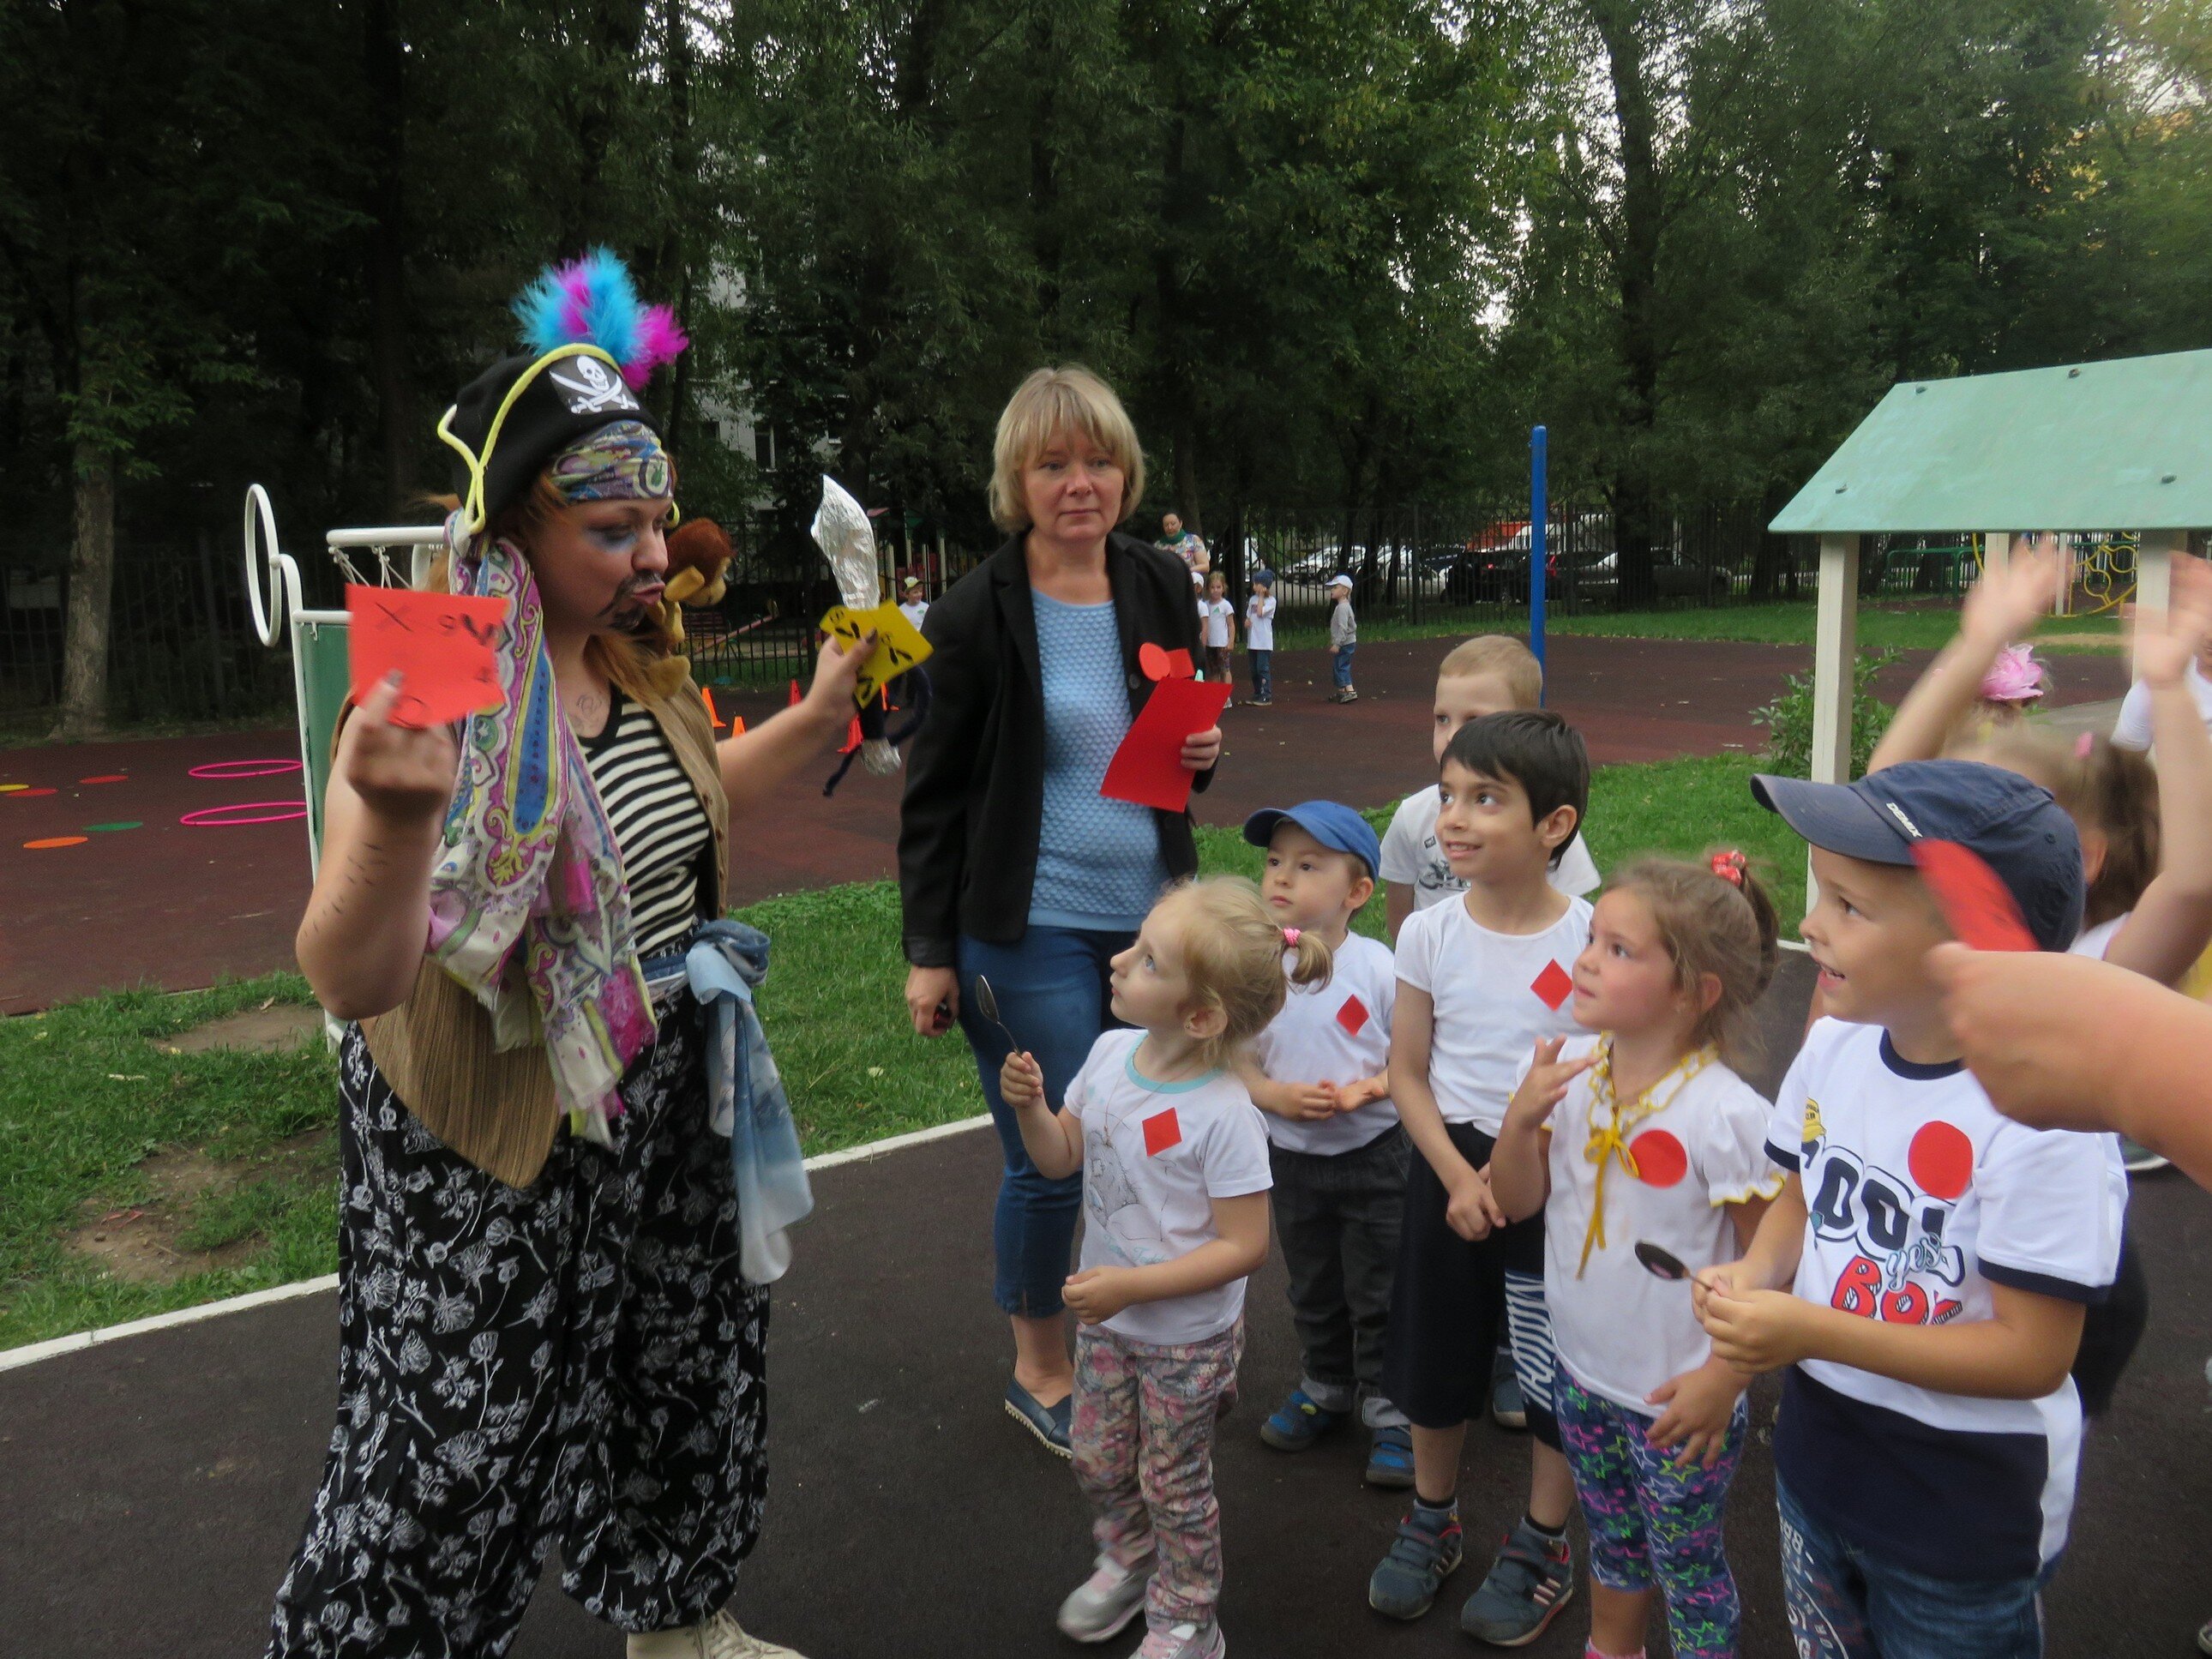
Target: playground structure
<point x="2107" y="450"/>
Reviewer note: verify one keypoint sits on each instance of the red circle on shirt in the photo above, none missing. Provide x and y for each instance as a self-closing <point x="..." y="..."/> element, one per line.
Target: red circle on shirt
<point x="1660" y="1159"/>
<point x="1941" y="1159"/>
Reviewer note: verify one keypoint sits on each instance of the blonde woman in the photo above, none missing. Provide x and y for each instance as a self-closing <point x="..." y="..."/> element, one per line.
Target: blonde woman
<point x="1011" y="865"/>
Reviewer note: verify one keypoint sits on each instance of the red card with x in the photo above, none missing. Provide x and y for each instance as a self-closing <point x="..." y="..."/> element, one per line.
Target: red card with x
<point x="1353" y="1016"/>
<point x="1553" y="986"/>
<point x="1162" y="1131"/>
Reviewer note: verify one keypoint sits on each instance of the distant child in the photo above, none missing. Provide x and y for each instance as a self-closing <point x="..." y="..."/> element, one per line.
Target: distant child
<point x="1174" y="1159"/>
<point x="1218" y="618"/>
<point x="1340" y="1159"/>
<point x="1653" y="1424"/>
<point x="1485" y="674"/>
<point x="1343" y="637"/>
<point x="1480" y="980"/>
<point x="1941" y="1255"/>
<point x="912" y="605"/>
<point x="1259" y="636"/>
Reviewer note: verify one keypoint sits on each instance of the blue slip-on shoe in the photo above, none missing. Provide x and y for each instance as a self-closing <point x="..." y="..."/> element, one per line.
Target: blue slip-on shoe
<point x="1531" y="1579"/>
<point x="1404" y="1584"/>
<point x="1298" y="1422"/>
<point x="1050" y="1424"/>
<point x="1507" y="1407"/>
<point x="1391" y="1458"/>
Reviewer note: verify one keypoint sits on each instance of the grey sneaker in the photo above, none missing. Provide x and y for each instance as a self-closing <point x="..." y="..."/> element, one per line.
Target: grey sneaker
<point x="720" y="1637"/>
<point x="1404" y="1583"/>
<point x="1531" y="1579"/>
<point x="1183" y="1642"/>
<point x="1101" y="1606"/>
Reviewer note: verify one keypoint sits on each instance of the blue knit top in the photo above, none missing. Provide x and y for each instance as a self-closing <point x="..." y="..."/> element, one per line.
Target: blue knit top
<point x="1098" y="860"/>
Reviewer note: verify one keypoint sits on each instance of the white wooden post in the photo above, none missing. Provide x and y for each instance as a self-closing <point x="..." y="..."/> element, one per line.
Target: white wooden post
<point x="1996" y="550"/>
<point x="2154" y="552"/>
<point x="1835" y="644"/>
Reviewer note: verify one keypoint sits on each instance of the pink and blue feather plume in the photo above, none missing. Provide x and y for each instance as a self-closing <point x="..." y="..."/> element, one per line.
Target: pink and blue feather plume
<point x="591" y="300"/>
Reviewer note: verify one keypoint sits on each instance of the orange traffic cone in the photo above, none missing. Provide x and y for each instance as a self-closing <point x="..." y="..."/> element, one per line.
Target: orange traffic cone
<point x="707" y="695"/>
<point x="795" y="699"/>
<point x="736" y="726"/>
<point x="852" y="737"/>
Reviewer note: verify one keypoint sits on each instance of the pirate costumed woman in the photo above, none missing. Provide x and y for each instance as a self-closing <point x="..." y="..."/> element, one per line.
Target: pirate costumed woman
<point x="552" y="1330"/>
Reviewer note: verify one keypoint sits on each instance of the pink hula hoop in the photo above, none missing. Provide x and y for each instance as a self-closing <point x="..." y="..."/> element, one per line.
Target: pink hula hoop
<point x="272" y="811"/>
<point x="245" y="768"/>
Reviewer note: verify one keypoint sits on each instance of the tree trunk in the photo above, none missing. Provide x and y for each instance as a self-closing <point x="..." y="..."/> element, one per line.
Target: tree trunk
<point x="384" y="63"/>
<point x="91" y="584"/>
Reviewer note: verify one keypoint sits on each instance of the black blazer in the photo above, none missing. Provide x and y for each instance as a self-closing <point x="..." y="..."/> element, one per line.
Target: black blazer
<point x="975" y="777"/>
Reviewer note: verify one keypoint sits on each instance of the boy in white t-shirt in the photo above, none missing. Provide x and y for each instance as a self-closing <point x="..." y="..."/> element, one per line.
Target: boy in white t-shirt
<point x="1941" y="1255"/>
<point x="912" y="605"/>
<point x="1480" y="980"/>
<point x="1259" y="636"/>
<point x="1485" y="674"/>
<point x="1338" y="1154"/>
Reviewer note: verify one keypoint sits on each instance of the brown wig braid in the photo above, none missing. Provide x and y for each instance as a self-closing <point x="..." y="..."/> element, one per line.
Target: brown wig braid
<point x="1710" y="924"/>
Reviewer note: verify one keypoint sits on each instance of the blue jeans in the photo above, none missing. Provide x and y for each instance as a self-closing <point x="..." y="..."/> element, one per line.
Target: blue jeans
<point x="1053" y="994"/>
<point x="1340" y="666"/>
<point x="1263" y="675"/>
<point x="1844" y="1604"/>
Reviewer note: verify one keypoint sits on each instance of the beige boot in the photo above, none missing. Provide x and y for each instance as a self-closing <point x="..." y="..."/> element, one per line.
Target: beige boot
<point x="719" y="1638"/>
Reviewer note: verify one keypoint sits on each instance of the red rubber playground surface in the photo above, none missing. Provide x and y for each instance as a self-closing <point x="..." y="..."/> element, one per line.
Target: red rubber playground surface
<point x="120" y="866"/>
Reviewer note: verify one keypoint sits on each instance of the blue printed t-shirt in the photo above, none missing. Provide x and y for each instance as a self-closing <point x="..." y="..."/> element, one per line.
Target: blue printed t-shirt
<point x="1098" y="860"/>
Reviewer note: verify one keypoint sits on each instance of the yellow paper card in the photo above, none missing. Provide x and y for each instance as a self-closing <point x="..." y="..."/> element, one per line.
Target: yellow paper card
<point x="899" y="644"/>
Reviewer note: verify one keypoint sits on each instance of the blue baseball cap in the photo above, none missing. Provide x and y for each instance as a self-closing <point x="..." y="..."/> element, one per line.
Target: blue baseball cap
<point x="1334" y="826"/>
<point x="1264" y="576"/>
<point x="2014" y="826"/>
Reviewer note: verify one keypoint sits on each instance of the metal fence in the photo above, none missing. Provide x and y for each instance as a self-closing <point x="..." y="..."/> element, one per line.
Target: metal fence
<point x="181" y="646"/>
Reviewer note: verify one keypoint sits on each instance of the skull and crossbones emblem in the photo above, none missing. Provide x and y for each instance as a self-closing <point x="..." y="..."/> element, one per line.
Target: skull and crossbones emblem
<point x="593" y="390"/>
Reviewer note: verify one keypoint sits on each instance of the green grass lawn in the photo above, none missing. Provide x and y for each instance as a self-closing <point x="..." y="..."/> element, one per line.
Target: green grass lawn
<point x="1906" y="627"/>
<point x="91" y="1109"/>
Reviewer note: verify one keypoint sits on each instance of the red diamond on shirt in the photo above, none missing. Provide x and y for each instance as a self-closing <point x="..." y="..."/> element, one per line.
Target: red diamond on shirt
<point x="1553" y="986"/>
<point x="1162" y="1131"/>
<point x="1353" y="1016"/>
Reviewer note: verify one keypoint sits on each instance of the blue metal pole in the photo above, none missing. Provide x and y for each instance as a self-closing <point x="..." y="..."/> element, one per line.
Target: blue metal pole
<point x="1539" y="512"/>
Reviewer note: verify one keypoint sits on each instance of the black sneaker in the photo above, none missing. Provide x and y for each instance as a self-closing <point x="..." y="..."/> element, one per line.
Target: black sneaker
<point x="1531" y="1579"/>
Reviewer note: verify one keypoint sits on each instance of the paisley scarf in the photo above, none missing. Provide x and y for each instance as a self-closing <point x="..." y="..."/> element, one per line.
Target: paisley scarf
<point x="528" y="907"/>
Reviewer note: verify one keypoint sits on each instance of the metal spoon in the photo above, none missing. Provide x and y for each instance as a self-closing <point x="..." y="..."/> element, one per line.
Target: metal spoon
<point x="1661" y="1264"/>
<point x="988" y="1005"/>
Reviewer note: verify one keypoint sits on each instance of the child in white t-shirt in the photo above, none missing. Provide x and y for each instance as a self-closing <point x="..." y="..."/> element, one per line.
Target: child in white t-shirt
<point x="1174" y="1159"/>
<point x="1485" y="674"/>
<point x="1260" y="637"/>
<point x="1339" y="1157"/>
<point x="1940" y="1256"/>
<point x="1643" y="1136"/>
<point x="912" y="605"/>
<point x="1480" y="980"/>
<point x="1218" y="619"/>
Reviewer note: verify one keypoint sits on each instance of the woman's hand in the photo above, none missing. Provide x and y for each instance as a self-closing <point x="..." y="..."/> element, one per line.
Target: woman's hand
<point x="1700" y="1404"/>
<point x="1021" y="1082"/>
<point x="1201" y="748"/>
<point x="404" y="776"/>
<point x="1472" y="1212"/>
<point x="836" y="671"/>
<point x="932" y="1000"/>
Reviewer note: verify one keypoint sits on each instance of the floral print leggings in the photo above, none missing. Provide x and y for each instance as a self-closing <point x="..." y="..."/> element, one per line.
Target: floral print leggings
<point x="1143" y="1454"/>
<point x="575" y="1362"/>
<point x="1650" y="1520"/>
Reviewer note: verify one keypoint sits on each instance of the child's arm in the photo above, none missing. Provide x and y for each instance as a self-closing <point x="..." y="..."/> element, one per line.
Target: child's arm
<point x="1700" y="1404"/>
<point x="2002" y="607"/>
<point x="1301" y="1103"/>
<point x="1520" y="1165"/>
<point x="2167" y="930"/>
<point x="1053" y="1139"/>
<point x="1099" y="1293"/>
<point x="1472" y="1212"/>
<point x="1769" y="1261"/>
<point x="2020" y="1351"/>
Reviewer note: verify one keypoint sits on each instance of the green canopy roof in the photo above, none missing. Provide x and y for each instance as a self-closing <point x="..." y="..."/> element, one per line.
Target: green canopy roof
<point x="2126" y="445"/>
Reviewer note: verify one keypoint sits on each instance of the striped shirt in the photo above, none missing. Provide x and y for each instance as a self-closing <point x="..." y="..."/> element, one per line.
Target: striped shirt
<point x="658" y="824"/>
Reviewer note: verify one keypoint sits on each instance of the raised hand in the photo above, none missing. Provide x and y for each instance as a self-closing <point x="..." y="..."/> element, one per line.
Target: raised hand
<point x="2009" y="600"/>
<point x="2167" y="642"/>
<point x="1545" y="1085"/>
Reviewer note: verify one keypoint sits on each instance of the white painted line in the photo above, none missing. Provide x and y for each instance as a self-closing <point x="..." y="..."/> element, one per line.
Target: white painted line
<point x="10" y="1358"/>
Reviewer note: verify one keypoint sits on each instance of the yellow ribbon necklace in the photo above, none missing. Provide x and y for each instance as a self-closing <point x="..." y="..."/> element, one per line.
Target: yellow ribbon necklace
<point x="1608" y="1139"/>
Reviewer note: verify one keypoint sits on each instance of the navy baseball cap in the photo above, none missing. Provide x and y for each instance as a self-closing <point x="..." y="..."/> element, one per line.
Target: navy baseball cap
<point x="2014" y="826"/>
<point x="1264" y="576"/>
<point x="1334" y="826"/>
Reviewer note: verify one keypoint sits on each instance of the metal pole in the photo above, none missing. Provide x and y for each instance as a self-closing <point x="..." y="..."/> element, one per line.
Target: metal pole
<point x="1538" y="510"/>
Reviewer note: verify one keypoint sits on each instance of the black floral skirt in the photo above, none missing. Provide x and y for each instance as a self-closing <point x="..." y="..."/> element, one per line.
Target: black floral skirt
<point x="576" y="1364"/>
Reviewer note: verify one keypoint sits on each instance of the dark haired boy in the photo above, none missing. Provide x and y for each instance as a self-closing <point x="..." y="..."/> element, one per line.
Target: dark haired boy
<point x="1941" y="1255"/>
<point x="1480" y="980"/>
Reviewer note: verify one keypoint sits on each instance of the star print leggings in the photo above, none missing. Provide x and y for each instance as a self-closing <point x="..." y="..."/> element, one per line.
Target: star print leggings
<point x="578" y="1362"/>
<point x="1143" y="1435"/>
<point x="1651" y="1521"/>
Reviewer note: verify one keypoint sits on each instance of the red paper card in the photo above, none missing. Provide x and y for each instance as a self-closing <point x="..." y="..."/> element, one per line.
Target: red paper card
<point x="1353" y="1016"/>
<point x="1976" y="905"/>
<point x="1160" y="665"/>
<point x="441" y="643"/>
<point x="1148" y="768"/>
<point x="1553" y="986"/>
<point x="1162" y="1131"/>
